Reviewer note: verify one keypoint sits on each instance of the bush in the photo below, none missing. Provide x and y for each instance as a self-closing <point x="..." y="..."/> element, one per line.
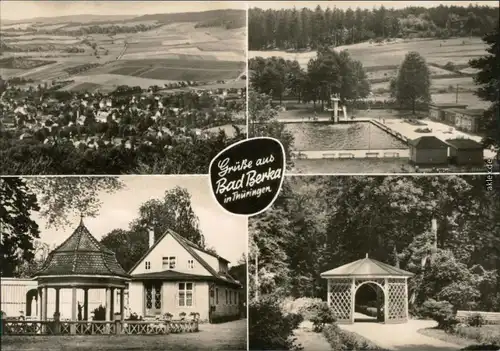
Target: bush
<point x="476" y="320"/>
<point x="482" y="347"/>
<point x="482" y="335"/>
<point x="99" y="314"/>
<point x="343" y="340"/>
<point x="440" y="311"/>
<point x="322" y="314"/>
<point x="268" y="328"/>
<point x="295" y="319"/>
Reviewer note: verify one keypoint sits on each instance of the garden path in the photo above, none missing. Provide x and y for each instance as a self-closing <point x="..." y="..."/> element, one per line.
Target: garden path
<point x="310" y="340"/>
<point x="400" y="337"/>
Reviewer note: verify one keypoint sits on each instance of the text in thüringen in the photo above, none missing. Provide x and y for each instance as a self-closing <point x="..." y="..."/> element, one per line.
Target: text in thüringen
<point x="253" y="180"/>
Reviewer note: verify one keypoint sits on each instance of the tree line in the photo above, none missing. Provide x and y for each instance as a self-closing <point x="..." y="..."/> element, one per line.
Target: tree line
<point x="302" y="29"/>
<point x="330" y="72"/>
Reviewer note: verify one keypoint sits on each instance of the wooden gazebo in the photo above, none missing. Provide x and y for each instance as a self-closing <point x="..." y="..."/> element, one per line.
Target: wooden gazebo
<point x="81" y="262"/>
<point x="344" y="282"/>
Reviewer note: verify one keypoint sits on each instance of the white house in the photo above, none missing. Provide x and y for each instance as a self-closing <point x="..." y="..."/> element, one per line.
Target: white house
<point x="176" y="276"/>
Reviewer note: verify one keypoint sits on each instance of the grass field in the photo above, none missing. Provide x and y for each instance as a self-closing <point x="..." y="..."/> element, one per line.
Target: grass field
<point x="173" y="52"/>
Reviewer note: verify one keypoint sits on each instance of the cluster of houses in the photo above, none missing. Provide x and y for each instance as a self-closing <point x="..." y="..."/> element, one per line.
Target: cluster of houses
<point x="456" y="115"/>
<point x="42" y="119"/>
<point x="174" y="276"/>
<point x="432" y="151"/>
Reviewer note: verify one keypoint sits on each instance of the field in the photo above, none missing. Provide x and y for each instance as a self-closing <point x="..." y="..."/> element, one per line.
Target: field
<point x="169" y="53"/>
<point x="382" y="60"/>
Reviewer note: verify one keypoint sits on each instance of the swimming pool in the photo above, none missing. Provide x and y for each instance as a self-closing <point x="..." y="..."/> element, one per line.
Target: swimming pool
<point x="319" y="136"/>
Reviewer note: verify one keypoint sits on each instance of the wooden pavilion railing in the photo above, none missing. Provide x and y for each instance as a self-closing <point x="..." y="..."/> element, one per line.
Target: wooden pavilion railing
<point x="20" y="327"/>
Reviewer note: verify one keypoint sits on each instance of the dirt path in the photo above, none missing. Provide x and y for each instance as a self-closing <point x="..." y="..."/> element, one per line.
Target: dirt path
<point x="310" y="340"/>
<point x="401" y="337"/>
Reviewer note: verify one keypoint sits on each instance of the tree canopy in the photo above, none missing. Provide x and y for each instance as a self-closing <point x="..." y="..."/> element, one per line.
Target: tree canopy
<point x="305" y="28"/>
<point x="18" y="230"/>
<point x="489" y="88"/>
<point x="174" y="211"/>
<point x="319" y="223"/>
<point x="330" y="72"/>
<point x="412" y="83"/>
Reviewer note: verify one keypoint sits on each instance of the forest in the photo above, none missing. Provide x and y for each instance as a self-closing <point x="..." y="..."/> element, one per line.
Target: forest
<point x="306" y="29"/>
<point x="320" y="223"/>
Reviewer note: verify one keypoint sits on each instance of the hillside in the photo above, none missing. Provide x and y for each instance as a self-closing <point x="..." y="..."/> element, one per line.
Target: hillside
<point x="306" y="29"/>
<point x="213" y="16"/>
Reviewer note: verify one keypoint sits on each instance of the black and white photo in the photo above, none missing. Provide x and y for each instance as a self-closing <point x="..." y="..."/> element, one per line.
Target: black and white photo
<point x="388" y="87"/>
<point x="120" y="263"/>
<point x="401" y="263"/>
<point x="120" y="87"/>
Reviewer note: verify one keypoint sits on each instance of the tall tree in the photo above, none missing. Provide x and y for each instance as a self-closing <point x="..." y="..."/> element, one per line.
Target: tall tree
<point x="413" y="81"/>
<point x="17" y="230"/>
<point x="174" y="211"/>
<point x="489" y="90"/>
<point x="61" y="197"/>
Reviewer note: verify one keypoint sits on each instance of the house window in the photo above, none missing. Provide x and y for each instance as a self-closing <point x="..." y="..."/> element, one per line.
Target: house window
<point x="190" y="264"/>
<point x="230" y="297"/>
<point x="185" y="295"/>
<point x="147" y="265"/>
<point x="227" y="298"/>
<point x="216" y="296"/>
<point x="153" y="298"/>
<point x="235" y="297"/>
<point x="168" y="262"/>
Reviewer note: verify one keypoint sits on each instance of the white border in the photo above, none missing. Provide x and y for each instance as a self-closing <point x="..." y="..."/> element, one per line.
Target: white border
<point x="230" y="147"/>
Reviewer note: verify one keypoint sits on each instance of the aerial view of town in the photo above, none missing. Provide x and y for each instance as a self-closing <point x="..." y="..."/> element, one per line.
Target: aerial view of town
<point x="104" y="88"/>
<point x="378" y="88"/>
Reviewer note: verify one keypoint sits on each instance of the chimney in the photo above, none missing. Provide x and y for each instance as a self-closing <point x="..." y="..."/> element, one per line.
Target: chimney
<point x="151" y="238"/>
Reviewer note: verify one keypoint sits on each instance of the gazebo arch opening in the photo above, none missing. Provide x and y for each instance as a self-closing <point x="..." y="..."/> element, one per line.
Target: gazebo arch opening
<point x="369" y="302"/>
<point x="389" y="283"/>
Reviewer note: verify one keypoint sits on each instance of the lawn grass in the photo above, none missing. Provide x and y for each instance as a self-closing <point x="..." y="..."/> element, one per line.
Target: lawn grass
<point x="466" y="336"/>
<point x="225" y="336"/>
<point x="443" y="336"/>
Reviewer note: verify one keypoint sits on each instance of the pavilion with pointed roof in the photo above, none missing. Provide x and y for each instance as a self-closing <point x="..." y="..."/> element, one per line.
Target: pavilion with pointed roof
<point x="392" y="282"/>
<point x="81" y="262"/>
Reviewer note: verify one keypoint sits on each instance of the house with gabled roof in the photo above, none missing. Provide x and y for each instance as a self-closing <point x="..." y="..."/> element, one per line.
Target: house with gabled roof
<point x="177" y="276"/>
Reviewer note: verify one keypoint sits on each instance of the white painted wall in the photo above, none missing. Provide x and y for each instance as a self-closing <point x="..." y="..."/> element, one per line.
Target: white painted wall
<point x="136" y="297"/>
<point x="166" y="248"/>
<point x="211" y="260"/>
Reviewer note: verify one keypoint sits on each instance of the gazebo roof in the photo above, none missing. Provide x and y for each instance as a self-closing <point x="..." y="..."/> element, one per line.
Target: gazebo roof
<point x="82" y="255"/>
<point x="366" y="267"/>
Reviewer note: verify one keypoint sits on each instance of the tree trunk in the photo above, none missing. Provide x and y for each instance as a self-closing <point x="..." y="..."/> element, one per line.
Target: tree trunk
<point x="396" y="258"/>
<point x="413" y="105"/>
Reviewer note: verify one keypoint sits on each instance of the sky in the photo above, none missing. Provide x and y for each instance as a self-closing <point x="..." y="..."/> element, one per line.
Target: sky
<point x="362" y="4"/>
<point x="18" y="10"/>
<point x="225" y="232"/>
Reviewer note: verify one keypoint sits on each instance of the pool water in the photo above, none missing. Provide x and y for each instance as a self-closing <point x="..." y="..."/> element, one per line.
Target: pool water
<point x="319" y="136"/>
